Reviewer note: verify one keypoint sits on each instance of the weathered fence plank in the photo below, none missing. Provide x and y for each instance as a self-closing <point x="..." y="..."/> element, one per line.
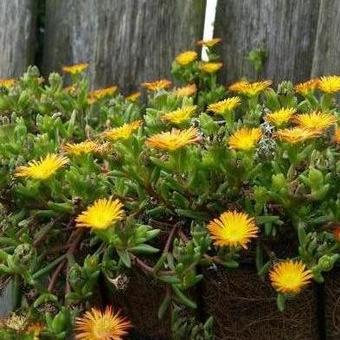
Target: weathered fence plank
<point x="17" y="36"/>
<point x="327" y="48"/>
<point x="285" y="29"/>
<point x="125" y="42"/>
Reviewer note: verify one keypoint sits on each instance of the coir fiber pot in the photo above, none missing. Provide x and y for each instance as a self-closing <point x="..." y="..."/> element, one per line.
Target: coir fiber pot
<point x="332" y="304"/>
<point x="244" y="307"/>
<point x="139" y="301"/>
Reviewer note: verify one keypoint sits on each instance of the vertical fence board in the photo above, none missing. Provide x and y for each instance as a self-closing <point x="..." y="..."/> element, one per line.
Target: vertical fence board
<point x="17" y="36"/>
<point x="327" y="48"/>
<point x="286" y="29"/>
<point x="126" y="42"/>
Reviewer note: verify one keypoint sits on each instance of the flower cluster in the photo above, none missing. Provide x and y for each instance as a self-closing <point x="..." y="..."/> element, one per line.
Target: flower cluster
<point x="200" y="174"/>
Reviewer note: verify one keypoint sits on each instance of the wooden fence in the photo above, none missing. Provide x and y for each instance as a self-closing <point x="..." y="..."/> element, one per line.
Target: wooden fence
<point x="129" y="41"/>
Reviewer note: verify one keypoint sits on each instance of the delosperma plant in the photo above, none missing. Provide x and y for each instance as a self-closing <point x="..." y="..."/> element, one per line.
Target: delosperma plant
<point x="195" y="175"/>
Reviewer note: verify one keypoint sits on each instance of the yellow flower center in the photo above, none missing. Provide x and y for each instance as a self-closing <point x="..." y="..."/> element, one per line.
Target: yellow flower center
<point x="102" y="328"/>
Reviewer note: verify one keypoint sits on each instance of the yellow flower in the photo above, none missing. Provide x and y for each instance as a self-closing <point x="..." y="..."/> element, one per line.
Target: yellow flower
<point x="296" y="135"/>
<point x="210" y="67"/>
<point x="330" y="84"/>
<point x="225" y="105"/>
<point x="173" y="140"/>
<point x="250" y="89"/>
<point x="180" y="115"/>
<point x="42" y="169"/>
<point x="307" y="87"/>
<point x="209" y="43"/>
<point x="315" y="121"/>
<point x="75" y="69"/>
<point x="280" y="117"/>
<point x="157" y="85"/>
<point x="102" y="214"/>
<point x="186" y="58"/>
<point x="98" y="325"/>
<point x="101" y="93"/>
<point x="80" y="148"/>
<point x="245" y="138"/>
<point x="289" y="277"/>
<point x="133" y="97"/>
<point x="7" y="83"/>
<point x="238" y="86"/>
<point x="232" y="229"/>
<point x="186" y="91"/>
<point x="122" y="132"/>
<point x="336" y="138"/>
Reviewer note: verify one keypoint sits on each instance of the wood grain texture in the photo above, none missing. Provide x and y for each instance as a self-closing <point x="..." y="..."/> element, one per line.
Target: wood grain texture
<point x="327" y="48"/>
<point x="17" y="36"/>
<point x="125" y="42"/>
<point x="286" y="29"/>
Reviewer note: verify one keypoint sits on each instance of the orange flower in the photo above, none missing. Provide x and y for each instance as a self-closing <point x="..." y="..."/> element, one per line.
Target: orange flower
<point x="315" y="121"/>
<point x="336" y="138"/>
<point x="75" y="69"/>
<point x="233" y="229"/>
<point x="290" y="277"/>
<point x="101" y="93"/>
<point x="296" y="135"/>
<point x="250" y="89"/>
<point x="186" y="91"/>
<point x="209" y="43"/>
<point x="307" y="87"/>
<point x="336" y="233"/>
<point x="157" y="85"/>
<point x="98" y="325"/>
<point x="133" y="97"/>
<point x="173" y="140"/>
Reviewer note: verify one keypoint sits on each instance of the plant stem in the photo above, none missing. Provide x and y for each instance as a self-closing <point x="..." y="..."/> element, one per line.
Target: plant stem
<point x="48" y="267"/>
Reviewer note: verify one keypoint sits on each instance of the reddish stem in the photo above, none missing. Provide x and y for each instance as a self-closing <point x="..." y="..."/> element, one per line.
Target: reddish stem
<point x="75" y="237"/>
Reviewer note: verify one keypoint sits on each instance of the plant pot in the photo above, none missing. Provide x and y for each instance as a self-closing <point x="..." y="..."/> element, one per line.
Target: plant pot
<point x="244" y="307"/>
<point x="332" y="304"/>
<point x="140" y="301"/>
